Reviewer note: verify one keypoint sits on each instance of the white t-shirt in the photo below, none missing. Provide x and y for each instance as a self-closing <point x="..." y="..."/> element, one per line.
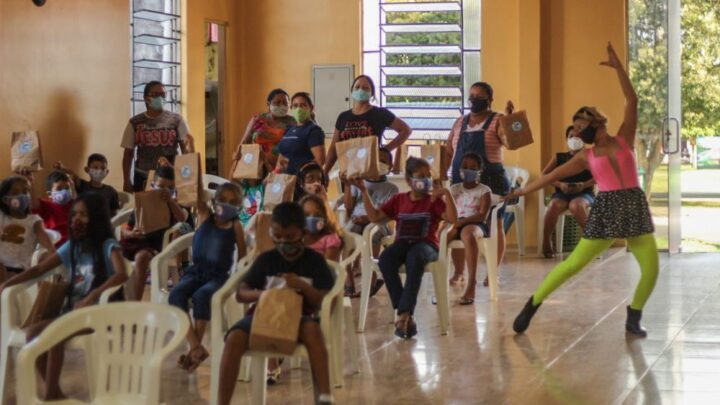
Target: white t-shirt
<point x="380" y="192"/>
<point x="17" y="240"/>
<point x="467" y="201"/>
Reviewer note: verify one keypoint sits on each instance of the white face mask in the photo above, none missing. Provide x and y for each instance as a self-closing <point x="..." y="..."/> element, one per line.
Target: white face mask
<point x="278" y="110"/>
<point x="575" y="144"/>
<point x="383" y="169"/>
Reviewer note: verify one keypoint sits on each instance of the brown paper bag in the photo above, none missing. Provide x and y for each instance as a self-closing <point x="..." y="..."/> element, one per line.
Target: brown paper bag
<point x="276" y="321"/>
<point x="358" y="158"/>
<point x="150" y="180"/>
<point x="263" y="242"/>
<point x="188" y="179"/>
<point x="250" y="164"/>
<point x="405" y="152"/>
<point x="434" y="154"/>
<point x="25" y="152"/>
<point x="515" y="129"/>
<point x="151" y="212"/>
<point x="49" y="301"/>
<point x="279" y="188"/>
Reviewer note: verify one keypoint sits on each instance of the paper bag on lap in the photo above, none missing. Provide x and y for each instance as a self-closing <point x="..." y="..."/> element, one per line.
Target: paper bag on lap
<point x="279" y="188"/>
<point x="151" y="212"/>
<point x="250" y="164"/>
<point x="276" y="321"/>
<point x="358" y="158"/>
<point x="25" y="152"/>
<point x="48" y="302"/>
<point x="515" y="130"/>
<point x="188" y="181"/>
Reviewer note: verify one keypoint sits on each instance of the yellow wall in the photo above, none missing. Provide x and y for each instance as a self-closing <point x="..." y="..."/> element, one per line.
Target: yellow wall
<point x="65" y="72"/>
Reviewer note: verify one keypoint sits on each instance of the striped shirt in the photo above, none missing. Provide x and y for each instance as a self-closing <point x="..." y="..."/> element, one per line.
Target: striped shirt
<point x="493" y="146"/>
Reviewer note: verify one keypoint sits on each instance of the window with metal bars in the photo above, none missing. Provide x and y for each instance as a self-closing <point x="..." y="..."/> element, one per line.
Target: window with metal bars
<point x="423" y="55"/>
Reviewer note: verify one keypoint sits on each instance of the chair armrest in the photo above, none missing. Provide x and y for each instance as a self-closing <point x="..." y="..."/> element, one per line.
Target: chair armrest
<point x="444" y="231"/>
<point x="105" y="296"/>
<point x="168" y="233"/>
<point x="218" y="320"/>
<point x="332" y="301"/>
<point x="159" y="267"/>
<point x="493" y="213"/>
<point x="10" y="314"/>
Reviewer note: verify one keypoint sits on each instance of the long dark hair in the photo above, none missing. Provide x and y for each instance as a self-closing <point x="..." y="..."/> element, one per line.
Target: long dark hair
<point x="99" y="230"/>
<point x="5" y="187"/>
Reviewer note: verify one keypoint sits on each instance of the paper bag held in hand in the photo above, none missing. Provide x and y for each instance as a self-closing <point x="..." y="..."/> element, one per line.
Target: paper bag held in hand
<point x="188" y="179"/>
<point x="250" y="164"/>
<point x="515" y="129"/>
<point x="151" y="212"/>
<point x="279" y="188"/>
<point x="25" y="152"/>
<point x="276" y="321"/>
<point x="263" y="243"/>
<point x="49" y="301"/>
<point x="358" y="158"/>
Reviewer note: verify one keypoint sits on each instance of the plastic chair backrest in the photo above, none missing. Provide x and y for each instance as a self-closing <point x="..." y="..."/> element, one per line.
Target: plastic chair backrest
<point x="211" y="178"/>
<point x="129" y="343"/>
<point x="514" y="173"/>
<point x="120" y="219"/>
<point x="160" y="263"/>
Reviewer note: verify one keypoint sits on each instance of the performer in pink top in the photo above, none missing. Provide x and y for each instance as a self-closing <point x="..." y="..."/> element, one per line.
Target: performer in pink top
<point x="620" y="211"/>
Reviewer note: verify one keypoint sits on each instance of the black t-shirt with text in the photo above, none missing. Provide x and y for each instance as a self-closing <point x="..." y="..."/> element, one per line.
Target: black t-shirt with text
<point x="372" y="122"/>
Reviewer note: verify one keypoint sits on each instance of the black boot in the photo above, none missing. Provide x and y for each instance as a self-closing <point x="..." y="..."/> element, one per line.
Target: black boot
<point x="632" y="324"/>
<point x="523" y="319"/>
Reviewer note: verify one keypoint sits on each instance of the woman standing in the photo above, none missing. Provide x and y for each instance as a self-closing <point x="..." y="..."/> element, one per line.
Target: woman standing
<point x="620" y="212"/>
<point x="304" y="142"/>
<point x="267" y="129"/>
<point x="365" y="119"/>
<point x="477" y="133"/>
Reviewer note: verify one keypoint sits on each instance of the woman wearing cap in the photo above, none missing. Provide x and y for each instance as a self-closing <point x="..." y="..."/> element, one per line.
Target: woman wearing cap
<point x="620" y="212"/>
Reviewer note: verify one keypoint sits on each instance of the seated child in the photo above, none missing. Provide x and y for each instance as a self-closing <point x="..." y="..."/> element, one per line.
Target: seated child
<point x="142" y="247"/>
<point x="92" y="262"/>
<point x="214" y="244"/>
<point x="55" y="210"/>
<point x="252" y="191"/>
<point x="295" y="263"/>
<point x="97" y="170"/>
<point x="380" y="190"/>
<point x="473" y="200"/>
<point x="418" y="214"/>
<point x="323" y="232"/>
<point x="20" y="231"/>
<point x="311" y="179"/>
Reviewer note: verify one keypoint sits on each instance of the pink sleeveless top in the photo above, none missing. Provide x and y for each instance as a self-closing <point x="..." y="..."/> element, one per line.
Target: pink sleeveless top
<point x="611" y="177"/>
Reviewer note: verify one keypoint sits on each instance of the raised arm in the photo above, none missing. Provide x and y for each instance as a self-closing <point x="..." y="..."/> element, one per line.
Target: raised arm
<point x="576" y="165"/>
<point x="629" y="124"/>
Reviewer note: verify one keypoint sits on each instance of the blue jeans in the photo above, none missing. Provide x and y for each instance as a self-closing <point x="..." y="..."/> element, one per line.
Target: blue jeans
<point x="415" y="255"/>
<point x="198" y="288"/>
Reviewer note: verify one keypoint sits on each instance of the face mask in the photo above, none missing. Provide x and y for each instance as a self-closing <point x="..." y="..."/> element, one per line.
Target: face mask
<point x="361" y="95"/>
<point x="18" y="203"/>
<point x="421" y="184"/>
<point x="470" y="176"/>
<point x="289" y="249"/>
<point x="157" y="103"/>
<point x="575" y="144"/>
<point x="301" y="114"/>
<point x="61" y="197"/>
<point x="479" y="104"/>
<point x="226" y="212"/>
<point x="172" y="191"/>
<point x="383" y="169"/>
<point x="588" y="134"/>
<point x="314" y="224"/>
<point x="78" y="229"/>
<point x="315" y="188"/>
<point x="278" y="111"/>
<point x="97" y="175"/>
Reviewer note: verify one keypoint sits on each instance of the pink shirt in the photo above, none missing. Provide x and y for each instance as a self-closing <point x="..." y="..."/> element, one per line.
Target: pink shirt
<point x="611" y="177"/>
<point x="331" y="240"/>
<point x="493" y="146"/>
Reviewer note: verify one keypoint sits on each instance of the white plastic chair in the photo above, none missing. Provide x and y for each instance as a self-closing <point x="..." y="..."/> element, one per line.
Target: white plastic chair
<point x="514" y="173"/>
<point x="15" y="305"/>
<point x="126" y="200"/>
<point x="488" y="248"/>
<point x="120" y="219"/>
<point x="211" y="178"/>
<point x="559" y="226"/>
<point x="160" y="267"/>
<point x="438" y="269"/>
<point x="128" y="348"/>
<point x="330" y="322"/>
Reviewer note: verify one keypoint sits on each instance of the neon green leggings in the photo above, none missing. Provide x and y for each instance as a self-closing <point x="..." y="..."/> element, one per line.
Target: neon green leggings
<point x="642" y="247"/>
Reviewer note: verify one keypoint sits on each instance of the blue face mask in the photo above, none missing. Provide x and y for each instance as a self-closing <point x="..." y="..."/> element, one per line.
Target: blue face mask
<point x="61" y="197"/>
<point x="226" y="212"/>
<point x="18" y="202"/>
<point x="470" y="176"/>
<point x="157" y="103"/>
<point x="421" y="184"/>
<point x="314" y="224"/>
<point x="361" y="95"/>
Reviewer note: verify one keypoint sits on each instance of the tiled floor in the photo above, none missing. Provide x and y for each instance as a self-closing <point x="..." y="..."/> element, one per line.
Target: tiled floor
<point x="575" y="352"/>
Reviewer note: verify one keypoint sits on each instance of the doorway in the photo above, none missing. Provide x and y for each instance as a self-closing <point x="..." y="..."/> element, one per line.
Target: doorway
<point x="215" y="53"/>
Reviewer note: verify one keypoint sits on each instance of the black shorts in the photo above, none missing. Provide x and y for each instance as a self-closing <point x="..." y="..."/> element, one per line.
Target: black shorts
<point x="245" y="324"/>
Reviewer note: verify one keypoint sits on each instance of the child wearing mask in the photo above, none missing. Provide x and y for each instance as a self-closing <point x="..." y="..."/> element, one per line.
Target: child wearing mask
<point x="252" y="203"/>
<point x="142" y="247"/>
<point x="218" y="237"/>
<point x="311" y="179"/>
<point x="473" y="200"/>
<point x="323" y="232"/>
<point x="418" y="214"/>
<point x="97" y="170"/>
<point x="304" y="270"/>
<point x="93" y="263"/>
<point x="20" y="231"/>
<point x="55" y="209"/>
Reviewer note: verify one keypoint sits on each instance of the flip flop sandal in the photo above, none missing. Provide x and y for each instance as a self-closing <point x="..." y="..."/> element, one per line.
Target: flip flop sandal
<point x="466" y="301"/>
<point x="195" y="362"/>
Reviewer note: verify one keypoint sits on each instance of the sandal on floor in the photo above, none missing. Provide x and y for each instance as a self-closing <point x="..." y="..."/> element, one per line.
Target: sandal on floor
<point x="274" y="376"/>
<point x="466" y="301"/>
<point x="195" y="359"/>
<point x="401" y="329"/>
<point x="379" y="283"/>
<point x="456" y="281"/>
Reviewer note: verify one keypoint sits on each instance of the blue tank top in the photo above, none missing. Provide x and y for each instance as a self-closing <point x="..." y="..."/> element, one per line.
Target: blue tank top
<point x="213" y="249"/>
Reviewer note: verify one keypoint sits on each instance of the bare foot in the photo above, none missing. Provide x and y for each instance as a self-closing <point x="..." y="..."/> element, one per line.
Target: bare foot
<point x="456" y="279"/>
